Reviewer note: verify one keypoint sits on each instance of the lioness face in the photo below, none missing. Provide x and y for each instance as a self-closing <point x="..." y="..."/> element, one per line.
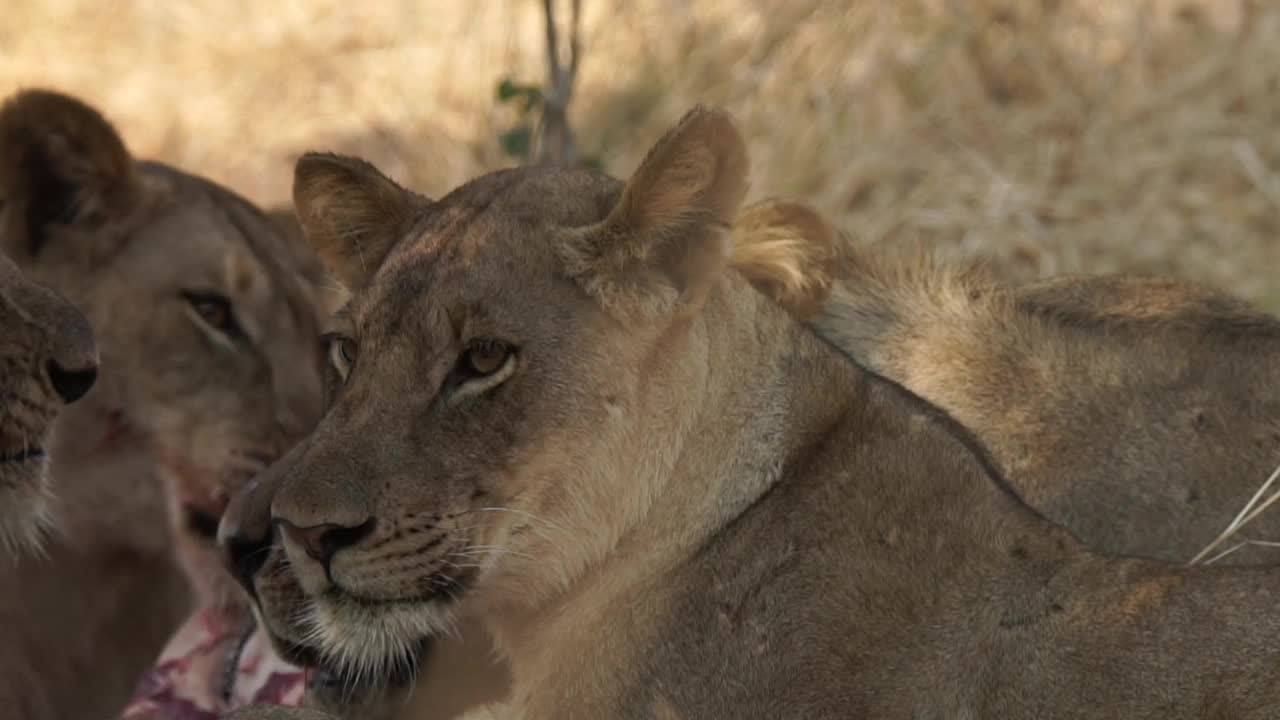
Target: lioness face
<point x="47" y="360"/>
<point x="488" y="388"/>
<point x="206" y="318"/>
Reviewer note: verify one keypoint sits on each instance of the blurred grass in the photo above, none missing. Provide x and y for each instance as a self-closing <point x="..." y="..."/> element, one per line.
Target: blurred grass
<point x="1051" y="135"/>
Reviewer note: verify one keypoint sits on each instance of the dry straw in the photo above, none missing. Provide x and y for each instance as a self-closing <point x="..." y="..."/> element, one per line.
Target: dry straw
<point x="1252" y="509"/>
<point x="1053" y="135"/>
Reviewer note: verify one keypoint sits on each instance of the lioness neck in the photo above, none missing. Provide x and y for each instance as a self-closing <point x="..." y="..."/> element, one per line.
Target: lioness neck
<point x="771" y="391"/>
<point x="761" y="392"/>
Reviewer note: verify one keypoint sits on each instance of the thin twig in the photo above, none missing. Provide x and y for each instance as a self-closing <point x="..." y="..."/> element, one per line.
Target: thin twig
<point x="1245" y="516"/>
<point x="553" y="43"/>
<point x="1238" y="546"/>
<point x="555" y="137"/>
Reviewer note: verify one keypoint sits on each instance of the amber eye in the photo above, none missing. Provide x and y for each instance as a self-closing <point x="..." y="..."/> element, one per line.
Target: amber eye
<point x="215" y="311"/>
<point x="485" y="357"/>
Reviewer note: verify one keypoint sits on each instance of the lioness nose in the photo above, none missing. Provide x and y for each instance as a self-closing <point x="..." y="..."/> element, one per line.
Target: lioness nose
<point x="321" y="542"/>
<point x="72" y="363"/>
<point x="71" y="384"/>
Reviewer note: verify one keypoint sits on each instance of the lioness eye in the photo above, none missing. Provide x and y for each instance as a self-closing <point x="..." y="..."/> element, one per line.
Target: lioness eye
<point x="485" y="357"/>
<point x="342" y="354"/>
<point x="215" y="311"/>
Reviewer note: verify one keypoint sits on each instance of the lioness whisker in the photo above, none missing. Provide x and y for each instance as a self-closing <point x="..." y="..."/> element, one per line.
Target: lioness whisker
<point x="524" y="513"/>
<point x="487" y="550"/>
<point x="540" y="525"/>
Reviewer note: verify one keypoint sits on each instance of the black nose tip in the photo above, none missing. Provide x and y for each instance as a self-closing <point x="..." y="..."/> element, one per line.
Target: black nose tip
<point x="71" y="385"/>
<point x="322" y="542"/>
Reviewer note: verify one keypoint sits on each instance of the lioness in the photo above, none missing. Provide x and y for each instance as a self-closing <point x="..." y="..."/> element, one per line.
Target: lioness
<point x="551" y="409"/>
<point x="207" y="320"/>
<point x="48" y="360"/>
<point x="790" y="252"/>
<point x="1142" y="413"/>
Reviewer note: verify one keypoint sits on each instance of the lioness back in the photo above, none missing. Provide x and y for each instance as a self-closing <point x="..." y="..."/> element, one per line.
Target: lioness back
<point x="207" y="317"/>
<point x="1140" y="412"/>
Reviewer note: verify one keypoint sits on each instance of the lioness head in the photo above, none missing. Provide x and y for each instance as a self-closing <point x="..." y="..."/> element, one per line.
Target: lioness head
<point x="206" y="315"/>
<point x="492" y="389"/>
<point x="47" y="360"/>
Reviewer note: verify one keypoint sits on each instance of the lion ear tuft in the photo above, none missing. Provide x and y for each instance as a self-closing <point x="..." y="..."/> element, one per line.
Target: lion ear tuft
<point x="787" y="250"/>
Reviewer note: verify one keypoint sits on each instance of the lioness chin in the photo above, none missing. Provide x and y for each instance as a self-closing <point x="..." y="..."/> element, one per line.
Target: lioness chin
<point x="553" y="410"/>
<point x="207" y="319"/>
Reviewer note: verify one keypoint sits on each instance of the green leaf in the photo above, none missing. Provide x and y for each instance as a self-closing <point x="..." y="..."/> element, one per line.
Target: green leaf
<point x="516" y="142"/>
<point x="507" y="90"/>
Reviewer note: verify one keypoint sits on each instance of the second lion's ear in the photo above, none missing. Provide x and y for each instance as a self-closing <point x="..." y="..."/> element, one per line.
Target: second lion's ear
<point x="351" y="213"/>
<point x="62" y="165"/>
<point x="788" y="251"/>
<point x="666" y="240"/>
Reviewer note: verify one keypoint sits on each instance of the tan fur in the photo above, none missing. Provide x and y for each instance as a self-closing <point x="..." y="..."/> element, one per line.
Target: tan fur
<point x="354" y="214"/>
<point x="495" y="712"/>
<point x="789" y="251"/>
<point x="183" y="414"/>
<point x="785" y="248"/>
<point x="1139" y="412"/>
<point x="45" y="343"/>
<point x="708" y="513"/>
<point x="634" y="261"/>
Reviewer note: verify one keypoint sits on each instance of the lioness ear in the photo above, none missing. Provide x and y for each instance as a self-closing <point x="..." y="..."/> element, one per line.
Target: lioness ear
<point x="61" y="165"/>
<point x="665" y="241"/>
<point x="352" y="214"/>
<point x="788" y="251"/>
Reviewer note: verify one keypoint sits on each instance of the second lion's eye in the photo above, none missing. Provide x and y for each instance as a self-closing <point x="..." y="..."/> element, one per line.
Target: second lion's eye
<point x="485" y="357"/>
<point x="215" y="311"/>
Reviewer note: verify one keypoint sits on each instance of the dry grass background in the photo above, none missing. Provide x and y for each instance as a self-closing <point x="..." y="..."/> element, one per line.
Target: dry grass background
<point x="1051" y="135"/>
